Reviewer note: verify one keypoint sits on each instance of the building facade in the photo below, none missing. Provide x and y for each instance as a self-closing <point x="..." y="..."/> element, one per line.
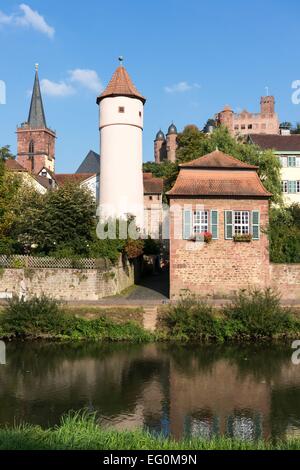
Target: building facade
<point x="244" y="123"/>
<point x="218" y="209"/>
<point x="287" y="148"/>
<point x="36" y="141"/>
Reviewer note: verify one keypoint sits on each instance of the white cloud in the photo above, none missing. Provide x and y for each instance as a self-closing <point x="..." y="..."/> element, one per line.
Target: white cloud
<point x="56" y="88"/>
<point x="87" y="78"/>
<point x="5" y="19"/>
<point x="181" y="87"/>
<point x="28" y="18"/>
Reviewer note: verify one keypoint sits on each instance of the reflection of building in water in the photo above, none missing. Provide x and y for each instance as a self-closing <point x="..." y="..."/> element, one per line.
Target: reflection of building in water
<point x="199" y="391"/>
<point x="218" y="392"/>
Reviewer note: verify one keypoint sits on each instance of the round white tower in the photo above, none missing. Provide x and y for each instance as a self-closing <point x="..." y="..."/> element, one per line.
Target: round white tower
<point x="121" y="128"/>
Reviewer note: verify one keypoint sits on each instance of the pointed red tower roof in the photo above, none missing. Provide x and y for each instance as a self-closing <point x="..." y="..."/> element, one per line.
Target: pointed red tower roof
<point x="121" y="85"/>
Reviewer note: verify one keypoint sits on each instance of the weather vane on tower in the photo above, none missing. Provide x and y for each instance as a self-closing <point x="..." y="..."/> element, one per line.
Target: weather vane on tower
<point x="121" y="59"/>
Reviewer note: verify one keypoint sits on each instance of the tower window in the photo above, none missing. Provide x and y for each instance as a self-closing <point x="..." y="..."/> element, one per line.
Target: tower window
<point x="31" y="146"/>
<point x="121" y="109"/>
<point x="140" y="113"/>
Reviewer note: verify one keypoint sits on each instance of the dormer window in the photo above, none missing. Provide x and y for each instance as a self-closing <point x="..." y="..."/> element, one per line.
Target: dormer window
<point x="121" y="109"/>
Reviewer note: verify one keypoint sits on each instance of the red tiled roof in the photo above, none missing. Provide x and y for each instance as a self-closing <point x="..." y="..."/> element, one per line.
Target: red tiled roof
<point x="13" y="165"/>
<point x="218" y="183"/>
<point x="77" y="178"/>
<point x="284" y="143"/>
<point x="121" y="85"/>
<point x="152" y="185"/>
<point x="217" y="159"/>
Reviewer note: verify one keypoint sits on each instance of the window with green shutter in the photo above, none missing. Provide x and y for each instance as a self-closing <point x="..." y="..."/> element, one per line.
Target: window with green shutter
<point x="292" y="161"/>
<point x="228" y="220"/>
<point x="187" y="224"/>
<point x="255" y="225"/>
<point x="292" y="186"/>
<point x="214" y="224"/>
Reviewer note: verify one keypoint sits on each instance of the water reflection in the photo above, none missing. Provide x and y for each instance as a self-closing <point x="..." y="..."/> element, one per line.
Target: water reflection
<point x="242" y="391"/>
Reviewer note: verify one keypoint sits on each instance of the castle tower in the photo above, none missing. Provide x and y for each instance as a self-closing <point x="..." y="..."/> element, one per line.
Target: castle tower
<point x="172" y="143"/>
<point x="267" y="105"/>
<point x="121" y="129"/>
<point x="225" y="118"/>
<point x="36" y="142"/>
<point x="160" y="147"/>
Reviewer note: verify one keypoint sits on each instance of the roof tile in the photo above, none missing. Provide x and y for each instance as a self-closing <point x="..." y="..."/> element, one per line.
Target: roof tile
<point x="121" y="85"/>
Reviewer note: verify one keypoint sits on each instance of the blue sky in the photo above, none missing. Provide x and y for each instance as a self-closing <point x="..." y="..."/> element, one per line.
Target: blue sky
<point x="189" y="58"/>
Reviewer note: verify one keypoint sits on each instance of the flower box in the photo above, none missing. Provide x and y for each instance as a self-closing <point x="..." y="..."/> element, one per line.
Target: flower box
<point x="205" y="237"/>
<point x="246" y="238"/>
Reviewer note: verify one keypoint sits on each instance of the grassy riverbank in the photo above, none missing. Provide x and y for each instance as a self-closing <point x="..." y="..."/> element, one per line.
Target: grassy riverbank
<point x="44" y="318"/>
<point x="251" y="316"/>
<point x="80" y="432"/>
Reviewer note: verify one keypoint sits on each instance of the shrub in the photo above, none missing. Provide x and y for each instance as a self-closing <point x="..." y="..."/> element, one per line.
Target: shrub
<point x="32" y="317"/>
<point x="259" y="314"/>
<point x="40" y="317"/>
<point x="251" y="315"/>
<point x="191" y="319"/>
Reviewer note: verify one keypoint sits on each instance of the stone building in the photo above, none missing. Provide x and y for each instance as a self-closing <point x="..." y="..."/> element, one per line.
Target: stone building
<point x="165" y="146"/>
<point x="221" y="197"/>
<point x="36" y="141"/>
<point x="287" y="148"/>
<point x="153" y="204"/>
<point x="244" y="123"/>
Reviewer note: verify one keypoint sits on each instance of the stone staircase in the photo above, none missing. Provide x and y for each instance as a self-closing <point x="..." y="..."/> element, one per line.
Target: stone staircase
<point x="150" y="317"/>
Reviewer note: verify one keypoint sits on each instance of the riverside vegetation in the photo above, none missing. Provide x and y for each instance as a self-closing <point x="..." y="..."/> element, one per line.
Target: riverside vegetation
<point x="251" y="316"/>
<point x="80" y="431"/>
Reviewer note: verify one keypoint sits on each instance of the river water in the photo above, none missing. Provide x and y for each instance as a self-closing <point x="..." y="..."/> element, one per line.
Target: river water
<point x="246" y="391"/>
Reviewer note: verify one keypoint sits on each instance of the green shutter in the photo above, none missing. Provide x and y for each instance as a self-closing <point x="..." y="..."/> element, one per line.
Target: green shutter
<point x="214" y="222"/>
<point x="228" y="220"/>
<point x="255" y="225"/>
<point x="187" y="224"/>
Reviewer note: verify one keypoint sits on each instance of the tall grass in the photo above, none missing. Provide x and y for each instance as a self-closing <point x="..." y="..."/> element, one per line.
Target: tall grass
<point x="46" y="318"/>
<point x="80" y="431"/>
<point x="251" y="315"/>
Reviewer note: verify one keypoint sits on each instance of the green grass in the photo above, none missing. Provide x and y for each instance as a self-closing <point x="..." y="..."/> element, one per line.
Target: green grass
<point x="80" y="431"/>
<point x="252" y="315"/>
<point x="46" y="318"/>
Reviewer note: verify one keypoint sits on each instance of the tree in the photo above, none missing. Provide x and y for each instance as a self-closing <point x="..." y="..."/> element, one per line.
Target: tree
<point x="9" y="187"/>
<point x="209" y="123"/>
<point x="284" y="234"/>
<point x="286" y="125"/>
<point x="60" y="221"/>
<point x="296" y="129"/>
<point x="5" y="153"/>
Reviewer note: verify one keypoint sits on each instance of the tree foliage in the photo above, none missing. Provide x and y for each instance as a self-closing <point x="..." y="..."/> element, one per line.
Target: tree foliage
<point x="284" y="234"/>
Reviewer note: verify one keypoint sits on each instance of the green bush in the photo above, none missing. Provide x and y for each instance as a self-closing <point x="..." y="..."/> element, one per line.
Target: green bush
<point x="258" y="313"/>
<point x="33" y="317"/>
<point x="192" y="320"/>
<point x="44" y="317"/>
<point x="251" y="315"/>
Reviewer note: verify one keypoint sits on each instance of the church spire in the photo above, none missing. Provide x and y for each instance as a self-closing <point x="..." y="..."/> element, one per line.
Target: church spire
<point x="36" y="118"/>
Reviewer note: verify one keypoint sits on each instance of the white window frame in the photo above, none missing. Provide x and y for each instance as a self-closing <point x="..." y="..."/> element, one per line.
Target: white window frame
<point x="243" y="227"/>
<point x="200" y="222"/>
<point x="283" y="161"/>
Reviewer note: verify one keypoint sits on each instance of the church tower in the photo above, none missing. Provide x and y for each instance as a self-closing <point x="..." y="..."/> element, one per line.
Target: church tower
<point x="121" y="129"/>
<point x="36" y="142"/>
